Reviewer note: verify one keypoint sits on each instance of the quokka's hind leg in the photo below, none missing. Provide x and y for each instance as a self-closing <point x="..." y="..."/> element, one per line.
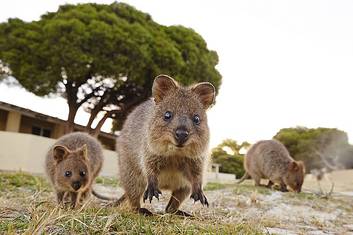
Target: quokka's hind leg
<point x="283" y="187"/>
<point x="257" y="180"/>
<point x="135" y="203"/>
<point x="270" y="184"/>
<point x="178" y="196"/>
<point x="134" y="184"/>
<point x="134" y="198"/>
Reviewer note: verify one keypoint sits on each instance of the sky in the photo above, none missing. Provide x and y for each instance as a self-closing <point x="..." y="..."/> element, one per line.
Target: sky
<point x="284" y="63"/>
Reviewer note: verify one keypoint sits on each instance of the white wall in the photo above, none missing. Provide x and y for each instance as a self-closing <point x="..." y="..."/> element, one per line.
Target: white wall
<point x="27" y="152"/>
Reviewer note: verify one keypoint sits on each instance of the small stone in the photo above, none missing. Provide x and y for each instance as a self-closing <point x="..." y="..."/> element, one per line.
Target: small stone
<point x="348" y="226"/>
<point x="279" y="231"/>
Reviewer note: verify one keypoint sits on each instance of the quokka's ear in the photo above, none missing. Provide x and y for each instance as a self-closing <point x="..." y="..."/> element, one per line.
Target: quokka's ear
<point x="83" y="151"/>
<point x="206" y="93"/>
<point x="162" y="85"/>
<point x="293" y="166"/>
<point x="60" y="152"/>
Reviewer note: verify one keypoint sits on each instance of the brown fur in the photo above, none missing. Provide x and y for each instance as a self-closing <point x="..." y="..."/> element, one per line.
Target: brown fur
<point x="269" y="159"/>
<point x="76" y="153"/>
<point x="151" y="158"/>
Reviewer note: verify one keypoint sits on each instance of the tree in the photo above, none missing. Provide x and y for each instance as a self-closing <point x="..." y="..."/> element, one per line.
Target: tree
<point x="317" y="147"/>
<point x="3" y="71"/>
<point x="102" y="57"/>
<point x="228" y="155"/>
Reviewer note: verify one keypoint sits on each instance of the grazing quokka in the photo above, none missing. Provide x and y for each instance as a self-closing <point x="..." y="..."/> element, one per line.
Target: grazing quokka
<point x="72" y="165"/>
<point x="164" y="145"/>
<point x="269" y="159"/>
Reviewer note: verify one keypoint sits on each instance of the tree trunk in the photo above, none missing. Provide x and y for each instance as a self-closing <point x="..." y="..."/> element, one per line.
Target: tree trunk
<point x="70" y="123"/>
<point x="93" y="116"/>
<point x="71" y="93"/>
<point x="88" y="128"/>
<point x="97" y="130"/>
<point x="95" y="111"/>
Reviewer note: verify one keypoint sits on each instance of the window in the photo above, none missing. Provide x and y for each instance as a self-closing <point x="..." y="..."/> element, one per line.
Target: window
<point x="46" y="133"/>
<point x="36" y="130"/>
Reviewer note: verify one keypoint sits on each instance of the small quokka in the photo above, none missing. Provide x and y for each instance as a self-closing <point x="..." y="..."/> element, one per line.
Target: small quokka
<point x="72" y="164"/>
<point x="164" y="145"/>
<point x="269" y="159"/>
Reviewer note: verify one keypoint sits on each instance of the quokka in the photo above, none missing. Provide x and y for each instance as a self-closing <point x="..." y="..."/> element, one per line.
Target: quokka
<point x="269" y="159"/>
<point x="164" y="145"/>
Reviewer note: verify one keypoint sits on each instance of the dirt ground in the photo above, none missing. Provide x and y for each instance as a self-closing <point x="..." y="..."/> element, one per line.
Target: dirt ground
<point x="343" y="182"/>
<point x="309" y="212"/>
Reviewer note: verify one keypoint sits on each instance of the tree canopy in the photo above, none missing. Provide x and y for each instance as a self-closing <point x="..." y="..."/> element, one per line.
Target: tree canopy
<point x="103" y="57"/>
<point x="318" y="147"/>
<point x="230" y="157"/>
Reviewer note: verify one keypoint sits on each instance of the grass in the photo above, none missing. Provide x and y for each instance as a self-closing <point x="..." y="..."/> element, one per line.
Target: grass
<point x="27" y="206"/>
<point x="134" y="224"/>
<point x="109" y="181"/>
<point x="214" y="186"/>
<point x="15" y="181"/>
<point x="248" y="189"/>
<point x="302" y="196"/>
<point x="53" y="220"/>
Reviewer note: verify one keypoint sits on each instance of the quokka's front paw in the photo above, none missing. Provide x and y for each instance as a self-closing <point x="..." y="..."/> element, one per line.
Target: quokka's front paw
<point x="151" y="191"/>
<point x="199" y="196"/>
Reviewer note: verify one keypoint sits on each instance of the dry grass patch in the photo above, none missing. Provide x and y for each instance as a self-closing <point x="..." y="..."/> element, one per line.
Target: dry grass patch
<point x="27" y="205"/>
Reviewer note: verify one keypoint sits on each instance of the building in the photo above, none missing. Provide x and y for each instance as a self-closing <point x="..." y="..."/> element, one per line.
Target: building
<point x="36" y="132"/>
<point x="17" y="119"/>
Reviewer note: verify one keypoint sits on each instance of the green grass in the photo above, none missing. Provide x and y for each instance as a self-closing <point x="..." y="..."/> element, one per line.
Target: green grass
<point x="27" y="206"/>
<point x="10" y="181"/>
<point x="302" y="196"/>
<point x="214" y="186"/>
<point x="112" y="221"/>
<point x="109" y="181"/>
<point x="53" y="220"/>
<point x="248" y="189"/>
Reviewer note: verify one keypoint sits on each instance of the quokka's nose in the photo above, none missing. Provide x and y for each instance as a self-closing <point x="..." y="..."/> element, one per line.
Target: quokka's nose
<point x="181" y="135"/>
<point x="76" y="185"/>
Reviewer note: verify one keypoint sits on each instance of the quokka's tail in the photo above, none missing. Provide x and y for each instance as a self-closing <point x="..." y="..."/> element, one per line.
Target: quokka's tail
<point x="245" y="176"/>
<point x="116" y="201"/>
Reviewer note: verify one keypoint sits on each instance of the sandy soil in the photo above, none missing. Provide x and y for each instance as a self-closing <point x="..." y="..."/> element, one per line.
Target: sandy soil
<point x="343" y="182"/>
<point x="273" y="211"/>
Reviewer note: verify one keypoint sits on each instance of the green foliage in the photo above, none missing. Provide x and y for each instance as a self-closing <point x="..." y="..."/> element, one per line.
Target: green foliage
<point x="317" y="147"/>
<point x="15" y="181"/>
<point x="75" y="50"/>
<point x="2" y="70"/>
<point x="228" y="155"/>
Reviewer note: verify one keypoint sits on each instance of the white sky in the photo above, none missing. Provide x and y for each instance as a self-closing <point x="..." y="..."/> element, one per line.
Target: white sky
<point x="284" y="63"/>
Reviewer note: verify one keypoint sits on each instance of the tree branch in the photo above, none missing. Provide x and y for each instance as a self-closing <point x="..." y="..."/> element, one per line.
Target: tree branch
<point x="88" y="96"/>
<point x="97" y="108"/>
<point x="102" y="121"/>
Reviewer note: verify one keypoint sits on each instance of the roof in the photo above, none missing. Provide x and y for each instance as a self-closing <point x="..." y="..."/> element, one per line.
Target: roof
<point x="41" y="116"/>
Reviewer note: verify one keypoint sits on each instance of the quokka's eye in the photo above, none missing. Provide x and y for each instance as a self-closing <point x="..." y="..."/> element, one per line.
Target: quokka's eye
<point x="82" y="173"/>
<point x="68" y="173"/>
<point x="196" y="119"/>
<point x="167" y="116"/>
